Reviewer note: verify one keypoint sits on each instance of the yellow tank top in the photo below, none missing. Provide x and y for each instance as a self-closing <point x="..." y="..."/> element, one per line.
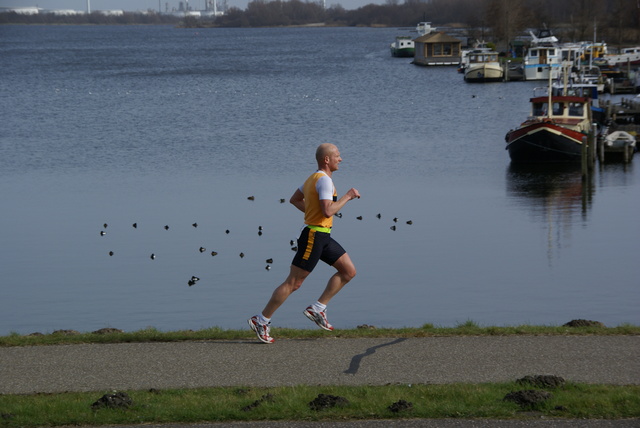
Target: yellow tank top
<point x="313" y="215"/>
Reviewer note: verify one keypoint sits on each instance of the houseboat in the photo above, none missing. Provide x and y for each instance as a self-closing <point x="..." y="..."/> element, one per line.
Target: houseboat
<point x="437" y="49"/>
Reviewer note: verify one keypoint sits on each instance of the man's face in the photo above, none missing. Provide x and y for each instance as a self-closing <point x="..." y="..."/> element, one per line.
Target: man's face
<point x="334" y="160"/>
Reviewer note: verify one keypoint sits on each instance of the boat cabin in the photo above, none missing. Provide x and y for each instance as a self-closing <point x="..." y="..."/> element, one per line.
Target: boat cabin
<point x="570" y="111"/>
<point x="483" y="57"/>
<point x="437" y="49"/>
<point x="540" y="61"/>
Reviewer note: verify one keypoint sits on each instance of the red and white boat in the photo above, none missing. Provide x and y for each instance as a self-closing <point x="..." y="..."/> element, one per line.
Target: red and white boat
<point x="555" y="130"/>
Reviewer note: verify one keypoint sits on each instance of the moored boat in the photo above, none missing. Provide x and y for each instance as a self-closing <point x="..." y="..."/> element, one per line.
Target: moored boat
<point x="618" y="140"/>
<point x="544" y="58"/>
<point x="555" y="130"/>
<point x="483" y="67"/>
<point x="542" y="62"/>
<point x="424" y="28"/>
<point x="626" y="56"/>
<point x="403" y="47"/>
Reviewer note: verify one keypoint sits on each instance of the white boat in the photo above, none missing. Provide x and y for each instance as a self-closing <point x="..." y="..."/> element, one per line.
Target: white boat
<point x="483" y="67"/>
<point x="544" y="37"/>
<point x="542" y="62"/>
<point x="479" y="47"/>
<point x="619" y="140"/>
<point x="626" y="56"/>
<point x="618" y="143"/>
<point x="545" y="56"/>
<point x="403" y="47"/>
<point x="583" y="75"/>
<point x="424" y="28"/>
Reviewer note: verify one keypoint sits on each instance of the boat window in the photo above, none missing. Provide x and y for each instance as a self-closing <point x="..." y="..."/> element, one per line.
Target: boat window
<point x="539" y="109"/>
<point x="558" y="108"/>
<point x="533" y="53"/>
<point x="576" y="109"/>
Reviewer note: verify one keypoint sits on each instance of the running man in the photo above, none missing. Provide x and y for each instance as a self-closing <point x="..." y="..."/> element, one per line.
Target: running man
<point x="318" y="199"/>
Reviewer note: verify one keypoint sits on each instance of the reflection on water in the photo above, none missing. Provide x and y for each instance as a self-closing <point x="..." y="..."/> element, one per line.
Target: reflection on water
<point x="554" y="194"/>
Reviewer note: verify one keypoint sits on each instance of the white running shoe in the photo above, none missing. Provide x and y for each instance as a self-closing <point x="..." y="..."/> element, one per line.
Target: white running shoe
<point x="262" y="330"/>
<point x="319" y="318"/>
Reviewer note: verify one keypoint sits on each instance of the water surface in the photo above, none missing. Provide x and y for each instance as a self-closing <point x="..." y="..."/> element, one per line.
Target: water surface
<point x="164" y="126"/>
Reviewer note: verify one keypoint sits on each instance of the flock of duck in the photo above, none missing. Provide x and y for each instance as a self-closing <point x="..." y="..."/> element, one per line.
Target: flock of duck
<point x="194" y="279"/>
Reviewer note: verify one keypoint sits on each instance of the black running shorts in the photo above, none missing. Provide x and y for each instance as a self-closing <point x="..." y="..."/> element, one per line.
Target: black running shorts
<point x="313" y="246"/>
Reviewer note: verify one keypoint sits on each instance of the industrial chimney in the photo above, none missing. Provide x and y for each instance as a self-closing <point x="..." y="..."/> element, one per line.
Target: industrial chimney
<point x="88" y="7"/>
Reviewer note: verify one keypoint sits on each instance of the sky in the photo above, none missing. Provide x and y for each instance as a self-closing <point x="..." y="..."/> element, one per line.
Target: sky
<point x="133" y="5"/>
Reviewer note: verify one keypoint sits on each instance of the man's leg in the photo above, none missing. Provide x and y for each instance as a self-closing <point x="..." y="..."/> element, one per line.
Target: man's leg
<point x="345" y="273"/>
<point x="292" y="283"/>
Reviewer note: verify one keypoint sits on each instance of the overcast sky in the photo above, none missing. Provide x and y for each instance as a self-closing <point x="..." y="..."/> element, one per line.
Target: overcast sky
<point x="132" y="5"/>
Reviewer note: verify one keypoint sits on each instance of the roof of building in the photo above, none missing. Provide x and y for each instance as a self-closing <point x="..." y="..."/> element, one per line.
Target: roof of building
<point x="438" y="37"/>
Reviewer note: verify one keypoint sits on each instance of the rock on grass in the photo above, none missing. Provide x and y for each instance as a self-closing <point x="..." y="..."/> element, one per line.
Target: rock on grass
<point x="326" y="401"/>
<point x="117" y="400"/>
<point x="528" y="398"/>
<point x="542" y="381"/>
<point x="400" y="406"/>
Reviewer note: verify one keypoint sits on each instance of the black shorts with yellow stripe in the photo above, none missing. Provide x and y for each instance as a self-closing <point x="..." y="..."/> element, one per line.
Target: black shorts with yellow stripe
<point x="313" y="246"/>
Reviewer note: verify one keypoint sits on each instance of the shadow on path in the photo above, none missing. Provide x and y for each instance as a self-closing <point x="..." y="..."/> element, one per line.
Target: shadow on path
<point x="355" y="361"/>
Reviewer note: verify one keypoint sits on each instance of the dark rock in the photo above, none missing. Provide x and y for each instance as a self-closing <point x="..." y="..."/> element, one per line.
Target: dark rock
<point x="117" y="400"/>
<point x="108" y="330"/>
<point x="583" y="323"/>
<point x="366" y="327"/>
<point x="66" y="332"/>
<point x="528" y="398"/>
<point x="401" y="406"/>
<point x="542" y="381"/>
<point x="326" y="401"/>
<point x="35" y="334"/>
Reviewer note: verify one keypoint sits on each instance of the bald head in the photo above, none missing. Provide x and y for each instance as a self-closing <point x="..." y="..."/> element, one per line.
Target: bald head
<point x="324" y="150"/>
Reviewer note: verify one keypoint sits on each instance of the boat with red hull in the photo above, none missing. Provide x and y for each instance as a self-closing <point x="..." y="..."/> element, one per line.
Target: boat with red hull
<point x="555" y="130"/>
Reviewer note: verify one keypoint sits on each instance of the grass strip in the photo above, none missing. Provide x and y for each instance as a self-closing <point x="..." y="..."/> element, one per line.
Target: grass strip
<point x="468" y="328"/>
<point x="293" y="404"/>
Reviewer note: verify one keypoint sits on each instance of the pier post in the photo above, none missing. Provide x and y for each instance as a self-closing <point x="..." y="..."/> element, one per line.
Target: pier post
<point x="592" y="138"/>
<point x="601" y="150"/>
<point x="585" y="169"/>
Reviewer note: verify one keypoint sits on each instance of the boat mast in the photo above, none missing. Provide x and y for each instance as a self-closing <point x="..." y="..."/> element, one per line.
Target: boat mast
<point x="593" y="45"/>
<point x="550" y="90"/>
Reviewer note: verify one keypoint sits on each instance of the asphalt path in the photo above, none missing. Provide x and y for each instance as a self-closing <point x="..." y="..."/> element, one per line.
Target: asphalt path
<point x="328" y="361"/>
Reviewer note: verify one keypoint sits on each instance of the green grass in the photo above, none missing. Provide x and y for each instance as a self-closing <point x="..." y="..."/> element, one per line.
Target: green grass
<point x="292" y="403"/>
<point x="467" y="328"/>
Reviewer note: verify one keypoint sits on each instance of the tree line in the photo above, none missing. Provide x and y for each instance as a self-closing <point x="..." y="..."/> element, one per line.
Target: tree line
<point x="499" y="21"/>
